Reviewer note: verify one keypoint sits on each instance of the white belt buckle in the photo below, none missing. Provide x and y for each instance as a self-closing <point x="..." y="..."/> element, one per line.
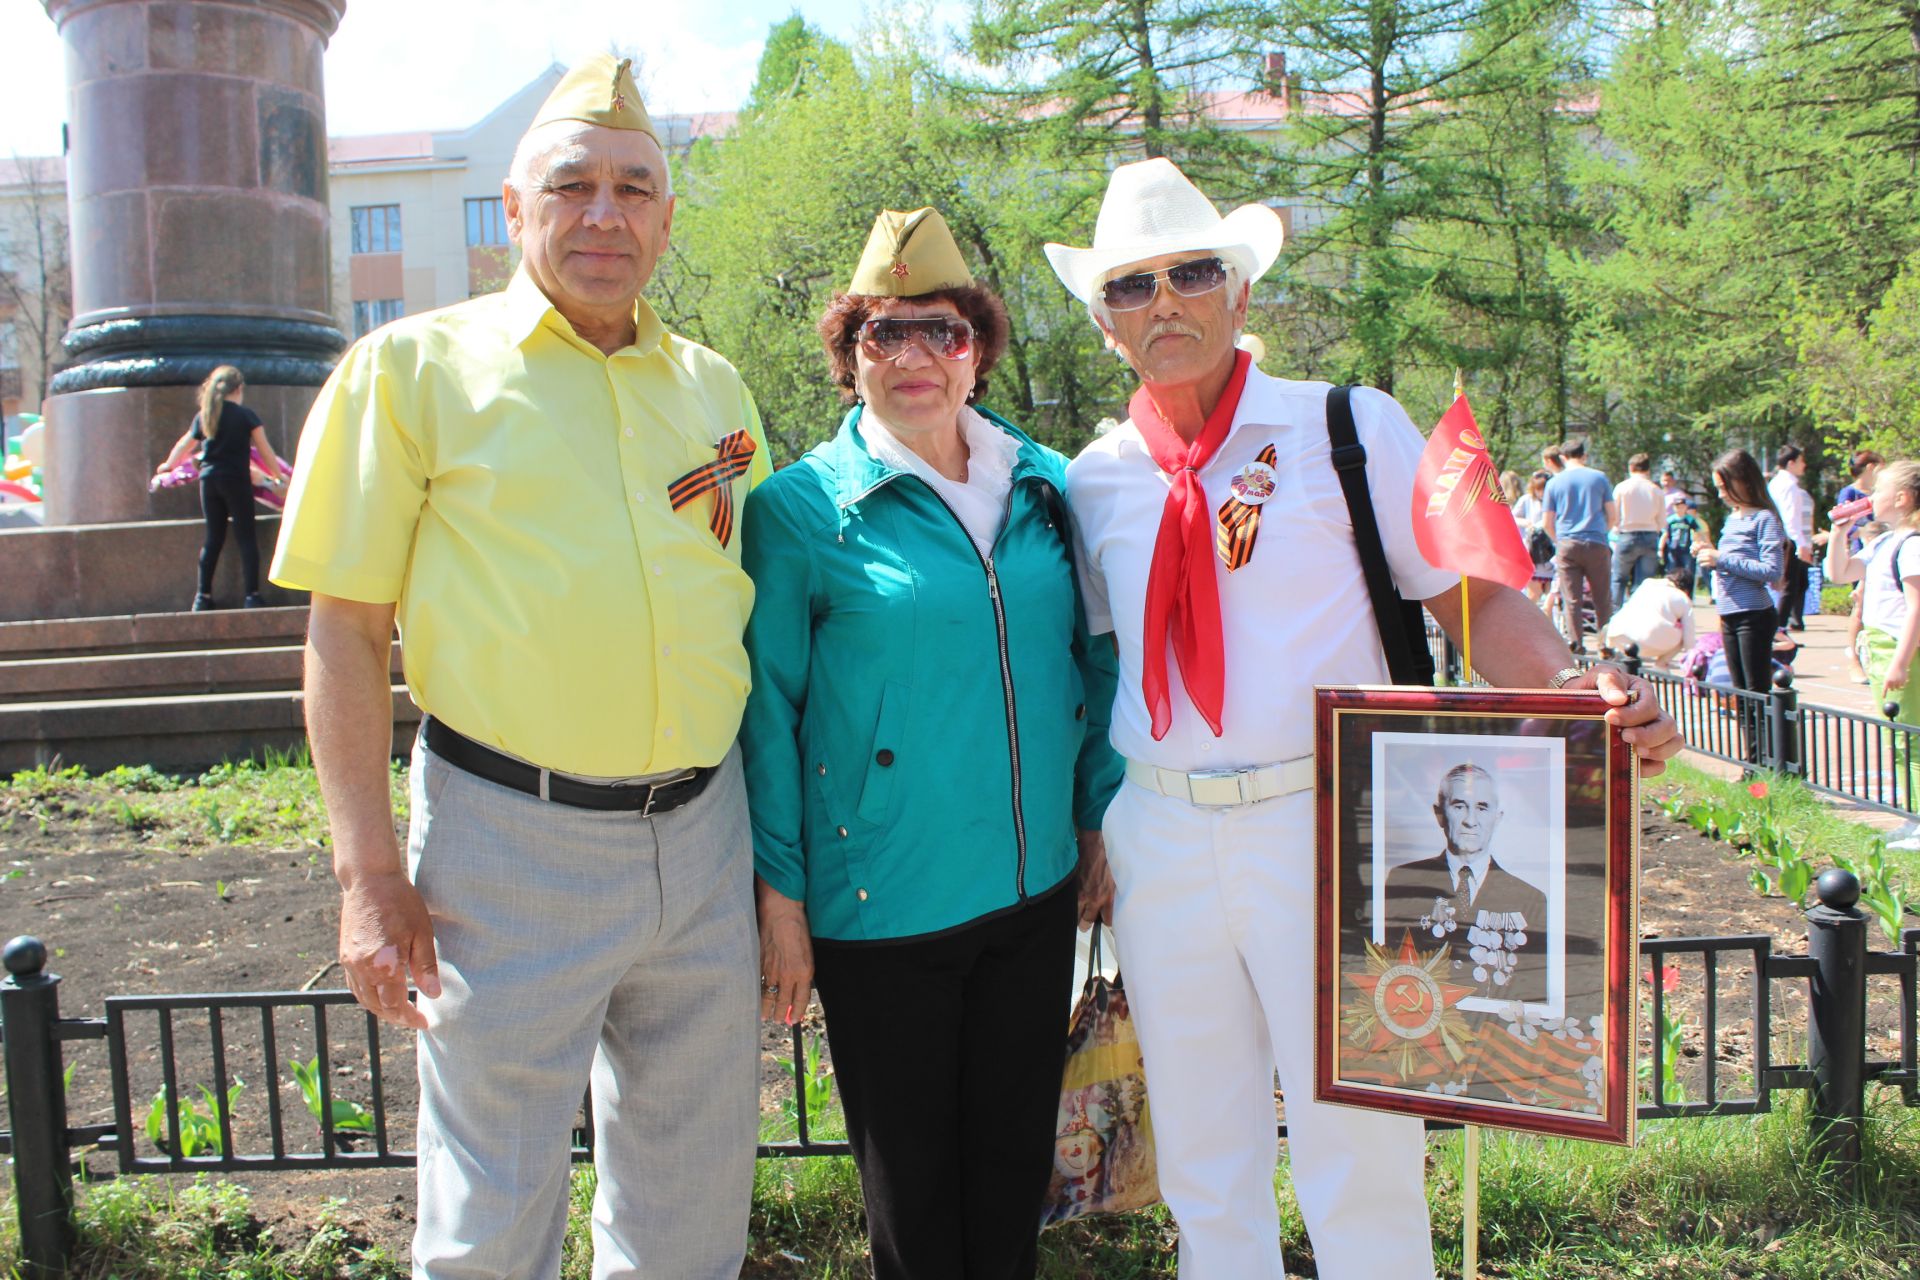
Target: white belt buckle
<point x="1219" y="787"/>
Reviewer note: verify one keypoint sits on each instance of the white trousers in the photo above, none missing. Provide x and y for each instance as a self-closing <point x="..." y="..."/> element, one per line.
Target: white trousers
<point x="1214" y="923"/>
<point x="576" y="944"/>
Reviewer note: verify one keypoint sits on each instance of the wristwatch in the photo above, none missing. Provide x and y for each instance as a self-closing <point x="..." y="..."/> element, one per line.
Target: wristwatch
<point x="1565" y="675"/>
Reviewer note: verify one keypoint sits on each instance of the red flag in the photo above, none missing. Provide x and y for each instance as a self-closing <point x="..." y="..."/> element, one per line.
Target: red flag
<point x="1461" y="520"/>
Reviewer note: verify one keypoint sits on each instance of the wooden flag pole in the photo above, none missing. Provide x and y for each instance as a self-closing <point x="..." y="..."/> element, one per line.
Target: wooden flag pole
<point x="1470" y="1174"/>
<point x="1470" y="1208"/>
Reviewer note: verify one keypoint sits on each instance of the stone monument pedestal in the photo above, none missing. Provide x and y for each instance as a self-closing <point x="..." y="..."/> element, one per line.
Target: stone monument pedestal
<point x="197" y="184"/>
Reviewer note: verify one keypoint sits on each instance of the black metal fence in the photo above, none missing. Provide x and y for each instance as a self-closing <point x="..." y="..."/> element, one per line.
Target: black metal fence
<point x="279" y="1027"/>
<point x="1860" y="757"/>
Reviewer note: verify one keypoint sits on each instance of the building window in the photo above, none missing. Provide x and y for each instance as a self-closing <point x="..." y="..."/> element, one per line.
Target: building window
<point x="368" y="316"/>
<point x="376" y="228"/>
<point x="486" y="222"/>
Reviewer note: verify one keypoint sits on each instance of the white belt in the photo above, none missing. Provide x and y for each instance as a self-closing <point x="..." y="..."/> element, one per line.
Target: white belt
<point x="1226" y="787"/>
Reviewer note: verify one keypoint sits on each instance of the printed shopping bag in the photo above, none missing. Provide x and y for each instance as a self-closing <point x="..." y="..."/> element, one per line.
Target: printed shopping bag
<point x="1103" y="1148"/>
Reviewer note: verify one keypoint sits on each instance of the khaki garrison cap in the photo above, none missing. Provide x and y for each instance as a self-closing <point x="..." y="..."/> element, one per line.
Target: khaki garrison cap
<point x="909" y="254"/>
<point x="599" y="91"/>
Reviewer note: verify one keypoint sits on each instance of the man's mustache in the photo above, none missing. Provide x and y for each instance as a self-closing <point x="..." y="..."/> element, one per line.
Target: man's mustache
<point x="1170" y="328"/>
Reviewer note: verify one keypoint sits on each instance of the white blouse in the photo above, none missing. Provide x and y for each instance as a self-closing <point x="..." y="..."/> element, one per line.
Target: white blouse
<point x="980" y="501"/>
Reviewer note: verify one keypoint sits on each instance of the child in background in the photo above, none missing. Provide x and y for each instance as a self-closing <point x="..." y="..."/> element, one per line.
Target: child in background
<point x="1683" y="529"/>
<point x="1864" y="467"/>
<point x="1888" y="571"/>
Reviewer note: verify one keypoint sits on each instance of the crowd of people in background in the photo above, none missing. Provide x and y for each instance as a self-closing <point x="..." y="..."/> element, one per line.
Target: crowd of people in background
<point x="1622" y="565"/>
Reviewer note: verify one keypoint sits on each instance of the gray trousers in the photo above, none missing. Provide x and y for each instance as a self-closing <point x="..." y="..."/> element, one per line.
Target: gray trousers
<point x="577" y="945"/>
<point x="1589" y="565"/>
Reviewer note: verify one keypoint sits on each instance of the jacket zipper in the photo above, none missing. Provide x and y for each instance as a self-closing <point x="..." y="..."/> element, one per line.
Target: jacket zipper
<point x="1006" y="689"/>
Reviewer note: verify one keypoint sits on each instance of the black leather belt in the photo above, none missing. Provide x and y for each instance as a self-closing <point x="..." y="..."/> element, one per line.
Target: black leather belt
<point x="647" y="798"/>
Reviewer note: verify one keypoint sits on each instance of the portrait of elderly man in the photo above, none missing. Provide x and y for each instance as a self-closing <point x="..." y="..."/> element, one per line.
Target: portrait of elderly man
<point x="540" y="485"/>
<point x="1218" y="549"/>
<point x="1493" y="922"/>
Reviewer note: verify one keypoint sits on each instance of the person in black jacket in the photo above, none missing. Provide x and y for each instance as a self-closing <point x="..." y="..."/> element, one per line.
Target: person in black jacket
<point x="1495" y="923"/>
<point x="226" y="476"/>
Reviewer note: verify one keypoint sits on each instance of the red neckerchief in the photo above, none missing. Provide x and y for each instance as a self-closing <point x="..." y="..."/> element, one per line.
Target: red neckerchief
<point x="1183" y="595"/>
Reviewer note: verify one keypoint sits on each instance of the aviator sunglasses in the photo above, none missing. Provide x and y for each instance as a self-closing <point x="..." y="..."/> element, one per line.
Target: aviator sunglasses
<point x="1188" y="279"/>
<point x="886" y="337"/>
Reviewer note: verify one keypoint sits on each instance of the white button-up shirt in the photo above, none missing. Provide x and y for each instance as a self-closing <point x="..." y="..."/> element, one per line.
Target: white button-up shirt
<point x="1297" y="613"/>
<point x="1796" y="505"/>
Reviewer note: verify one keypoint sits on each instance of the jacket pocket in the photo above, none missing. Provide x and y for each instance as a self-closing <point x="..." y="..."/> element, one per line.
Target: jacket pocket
<point x="883" y="762"/>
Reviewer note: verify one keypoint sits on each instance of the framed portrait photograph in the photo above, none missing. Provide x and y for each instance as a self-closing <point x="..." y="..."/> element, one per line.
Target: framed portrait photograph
<point x="1478" y="914"/>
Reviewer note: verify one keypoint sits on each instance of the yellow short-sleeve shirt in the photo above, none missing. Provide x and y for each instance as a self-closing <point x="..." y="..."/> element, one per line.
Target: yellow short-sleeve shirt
<point x="505" y="484"/>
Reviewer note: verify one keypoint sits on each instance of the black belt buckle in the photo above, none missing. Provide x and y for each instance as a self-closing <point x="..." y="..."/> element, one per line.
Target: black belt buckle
<point x="654" y="789"/>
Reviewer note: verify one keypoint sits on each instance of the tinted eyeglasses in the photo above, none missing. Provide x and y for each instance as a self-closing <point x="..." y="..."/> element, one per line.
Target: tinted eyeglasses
<point x="1188" y="279"/>
<point x="886" y="337"/>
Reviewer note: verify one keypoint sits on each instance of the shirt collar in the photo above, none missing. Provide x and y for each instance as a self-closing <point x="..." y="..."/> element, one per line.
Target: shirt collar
<point x="528" y="309"/>
<point x="860" y="470"/>
<point x="1255" y="409"/>
<point x="1479" y="862"/>
<point x="991" y="453"/>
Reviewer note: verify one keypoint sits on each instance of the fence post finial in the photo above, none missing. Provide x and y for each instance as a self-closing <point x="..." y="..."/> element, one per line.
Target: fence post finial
<point x="37" y="1108"/>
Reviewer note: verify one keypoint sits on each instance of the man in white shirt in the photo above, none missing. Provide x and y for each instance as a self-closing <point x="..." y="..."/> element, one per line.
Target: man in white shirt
<point x="1223" y="629"/>
<point x="1641" y="508"/>
<point x="1796" y="513"/>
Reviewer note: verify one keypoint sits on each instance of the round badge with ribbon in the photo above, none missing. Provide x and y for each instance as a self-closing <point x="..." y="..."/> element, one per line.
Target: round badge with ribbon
<point x="1254" y="483"/>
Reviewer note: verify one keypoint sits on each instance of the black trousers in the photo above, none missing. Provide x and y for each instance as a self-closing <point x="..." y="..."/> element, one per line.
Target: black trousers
<point x="1793" y="605"/>
<point x="949" y="1054"/>
<point x="1748" y="638"/>
<point x="224" y="498"/>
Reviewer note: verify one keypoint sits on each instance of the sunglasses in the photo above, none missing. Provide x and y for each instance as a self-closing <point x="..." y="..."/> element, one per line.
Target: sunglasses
<point x="1188" y="279"/>
<point x="887" y="337"/>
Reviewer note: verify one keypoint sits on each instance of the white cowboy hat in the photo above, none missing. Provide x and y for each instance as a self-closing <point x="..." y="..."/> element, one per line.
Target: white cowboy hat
<point x="1150" y="209"/>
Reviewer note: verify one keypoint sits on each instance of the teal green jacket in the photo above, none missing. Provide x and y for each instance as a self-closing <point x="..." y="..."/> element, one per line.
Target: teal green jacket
<point x="926" y="726"/>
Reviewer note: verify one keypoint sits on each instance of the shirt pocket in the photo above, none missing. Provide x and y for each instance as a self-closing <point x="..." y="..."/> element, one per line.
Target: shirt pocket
<point x="883" y="755"/>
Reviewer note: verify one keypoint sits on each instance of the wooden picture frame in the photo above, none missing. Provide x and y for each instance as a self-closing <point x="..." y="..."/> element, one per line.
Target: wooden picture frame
<point x="1450" y="821"/>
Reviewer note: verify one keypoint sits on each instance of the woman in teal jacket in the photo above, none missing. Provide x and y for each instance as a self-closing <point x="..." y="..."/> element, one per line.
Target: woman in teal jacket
<point x="926" y="730"/>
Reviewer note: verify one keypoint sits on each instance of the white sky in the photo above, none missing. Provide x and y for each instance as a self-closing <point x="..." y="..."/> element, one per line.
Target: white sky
<point x="398" y="65"/>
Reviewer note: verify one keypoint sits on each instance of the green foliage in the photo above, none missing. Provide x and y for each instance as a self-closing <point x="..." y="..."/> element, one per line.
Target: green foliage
<point x="147" y="1229"/>
<point x="1858" y="372"/>
<point x="796" y="58"/>
<point x="272" y="802"/>
<point x="1882" y="891"/>
<point x="1431" y="148"/>
<point x="348" y="1117"/>
<point x="1788" y="832"/>
<point x="1670" y="229"/>
<point x="1754" y="180"/>
<point x="199" y="1130"/>
<point x="815" y="1085"/>
<point x="1836" y="597"/>
<point x="1672" y="1034"/>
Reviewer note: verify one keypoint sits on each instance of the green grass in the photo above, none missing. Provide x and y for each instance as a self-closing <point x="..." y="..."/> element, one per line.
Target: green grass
<point x="1813" y="821"/>
<point x="271" y="802"/>
<point x="1734" y="1196"/>
<point x="143" y="1229"/>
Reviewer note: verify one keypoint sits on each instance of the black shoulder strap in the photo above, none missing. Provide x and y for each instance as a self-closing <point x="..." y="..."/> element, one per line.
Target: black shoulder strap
<point x="1350" y="462"/>
<point x="1893" y="562"/>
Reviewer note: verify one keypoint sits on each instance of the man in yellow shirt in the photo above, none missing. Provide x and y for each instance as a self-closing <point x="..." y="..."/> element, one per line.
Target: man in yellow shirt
<point x="541" y="486"/>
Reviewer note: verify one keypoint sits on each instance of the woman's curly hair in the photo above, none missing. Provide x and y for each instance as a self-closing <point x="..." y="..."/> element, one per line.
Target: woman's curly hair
<point x="979" y="305"/>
